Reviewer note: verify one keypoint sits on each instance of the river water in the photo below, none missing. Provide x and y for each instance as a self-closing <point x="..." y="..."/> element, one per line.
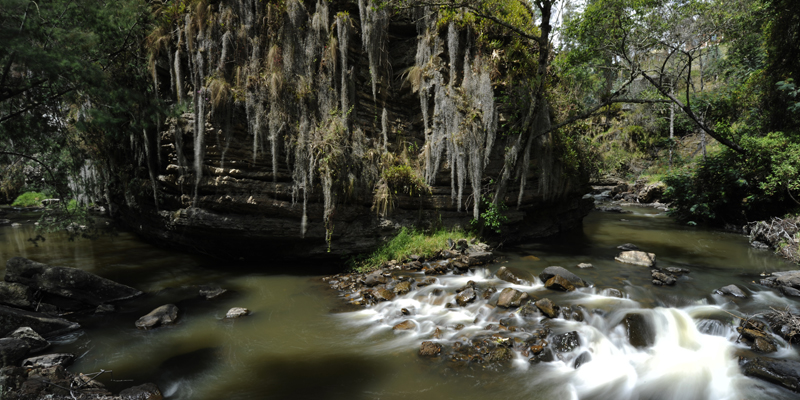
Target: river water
<point x="303" y="341"/>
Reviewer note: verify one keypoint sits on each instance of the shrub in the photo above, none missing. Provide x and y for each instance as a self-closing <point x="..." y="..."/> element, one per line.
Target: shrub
<point x="29" y="199"/>
<point x="406" y="243"/>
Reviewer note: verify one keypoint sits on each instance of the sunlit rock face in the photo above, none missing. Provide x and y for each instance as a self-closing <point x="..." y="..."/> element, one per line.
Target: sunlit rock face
<point x="316" y="130"/>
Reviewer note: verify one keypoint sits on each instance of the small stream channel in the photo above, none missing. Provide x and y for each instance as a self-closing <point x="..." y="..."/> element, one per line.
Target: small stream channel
<point x="303" y="341"/>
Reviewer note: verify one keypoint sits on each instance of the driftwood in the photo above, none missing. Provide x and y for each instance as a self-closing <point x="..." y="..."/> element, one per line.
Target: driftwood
<point x="782" y="234"/>
<point x="784" y="323"/>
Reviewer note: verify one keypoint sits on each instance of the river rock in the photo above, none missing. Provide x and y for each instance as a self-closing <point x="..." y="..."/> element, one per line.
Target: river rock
<point x="731" y="290"/>
<point x="785" y="373"/>
<point x="210" y="292"/>
<point x="478" y="257"/>
<point x="507" y="275"/>
<point x="402" y="287"/>
<point x="511" y="298"/>
<point x="637" y="328"/>
<point x="547" y="307"/>
<point x="375" y="278"/>
<point x="763" y="345"/>
<point x="383" y="295"/>
<point x="559" y="283"/>
<point x="406" y="325"/>
<point x="430" y="349"/>
<point x="677" y="270"/>
<point x="466" y="296"/>
<point x="582" y="359"/>
<point x="17" y="295"/>
<point x="628" y="247"/>
<point x="71" y="283"/>
<point x="552" y="271"/>
<point x="164" y="315"/>
<point x="652" y="193"/>
<point x="790" y="291"/>
<point x="35" y="341"/>
<point x="237" y="312"/>
<point x="147" y="391"/>
<point x="637" y="258"/>
<point x="13" y="318"/>
<point x="566" y="342"/>
<point x="12" y="350"/>
<point x="790" y="279"/>
<point x="585" y="265"/>
<point x="48" y="360"/>
<point x="528" y="311"/>
<point x="660" y="278"/>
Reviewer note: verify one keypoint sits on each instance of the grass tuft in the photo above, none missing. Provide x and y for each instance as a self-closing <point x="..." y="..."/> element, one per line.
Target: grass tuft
<point x="406" y="243"/>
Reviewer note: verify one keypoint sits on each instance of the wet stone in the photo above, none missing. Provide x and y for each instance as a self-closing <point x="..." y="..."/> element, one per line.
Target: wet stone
<point x="559" y="283"/>
<point x="430" y="349"/>
<point x="547" y="307"/>
<point x="677" y="270"/>
<point x="164" y="315"/>
<point x="790" y="291"/>
<point x="566" y="342"/>
<point x="466" y="296"/>
<point x="585" y="265"/>
<point x="552" y="271"/>
<point x="35" y="342"/>
<point x="637" y="328"/>
<point x="383" y="295"/>
<point x="375" y="278"/>
<point x="660" y="278"/>
<point x="237" y="312"/>
<point x="511" y="277"/>
<point x="405" y="326"/>
<point x="763" y="345"/>
<point x="48" y="360"/>
<point x="402" y="288"/>
<point x="211" y="292"/>
<point x="731" y="290"/>
<point x="528" y="311"/>
<point x="426" y="282"/>
<point x="785" y="373"/>
<point x="147" y="391"/>
<point x="582" y="359"/>
<point x="637" y="258"/>
<point x="511" y="298"/>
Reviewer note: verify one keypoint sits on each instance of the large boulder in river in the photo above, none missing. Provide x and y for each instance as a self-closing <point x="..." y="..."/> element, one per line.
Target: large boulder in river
<point x="785" y="373"/>
<point x="550" y="272"/>
<point x="511" y="298"/>
<point x="559" y="283"/>
<point x="13" y="318"/>
<point x="652" y="193"/>
<point x="17" y="295"/>
<point x="637" y="258"/>
<point x="36" y="342"/>
<point x="71" y="283"/>
<point x="164" y="315"/>
<point x="12" y="350"/>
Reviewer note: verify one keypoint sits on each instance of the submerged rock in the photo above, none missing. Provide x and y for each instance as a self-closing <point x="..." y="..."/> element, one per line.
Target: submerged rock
<point x="72" y="283"/>
<point x="237" y="312"/>
<point x="430" y="349"/>
<point x="211" y="292"/>
<point x="147" y="391"/>
<point x="466" y="296"/>
<point x="511" y="298"/>
<point x="566" y="342"/>
<point x="584" y="358"/>
<point x="731" y="290"/>
<point x="628" y="247"/>
<point x="164" y="315"/>
<point x="406" y="325"/>
<point x="637" y="258"/>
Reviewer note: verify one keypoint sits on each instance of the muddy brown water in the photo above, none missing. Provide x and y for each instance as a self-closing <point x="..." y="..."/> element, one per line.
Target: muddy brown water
<point x="301" y="342"/>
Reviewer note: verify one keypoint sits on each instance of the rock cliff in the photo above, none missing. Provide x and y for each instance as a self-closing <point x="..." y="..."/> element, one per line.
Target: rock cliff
<point x="316" y="129"/>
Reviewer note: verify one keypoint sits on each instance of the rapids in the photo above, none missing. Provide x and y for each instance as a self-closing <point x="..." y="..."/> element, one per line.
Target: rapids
<point x="303" y="341"/>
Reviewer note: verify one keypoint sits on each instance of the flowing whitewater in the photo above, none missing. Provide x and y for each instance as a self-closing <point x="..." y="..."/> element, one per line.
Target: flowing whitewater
<point x="303" y="340"/>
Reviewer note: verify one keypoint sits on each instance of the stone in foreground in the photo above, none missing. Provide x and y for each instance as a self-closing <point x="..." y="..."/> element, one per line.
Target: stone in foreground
<point x="552" y="271"/>
<point x="147" y="391"/>
<point x="731" y="290"/>
<point x="48" y="360"/>
<point x="637" y="258"/>
<point x="237" y="312"/>
<point x="430" y="349"/>
<point x="164" y="315"/>
<point x="13" y="318"/>
<point x="785" y="373"/>
<point x="34" y="340"/>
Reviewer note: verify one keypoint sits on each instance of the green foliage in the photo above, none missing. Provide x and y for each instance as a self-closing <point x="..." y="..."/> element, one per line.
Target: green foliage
<point x="406" y="243"/>
<point x="492" y="216"/>
<point x="402" y="179"/>
<point x="29" y="199"/>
